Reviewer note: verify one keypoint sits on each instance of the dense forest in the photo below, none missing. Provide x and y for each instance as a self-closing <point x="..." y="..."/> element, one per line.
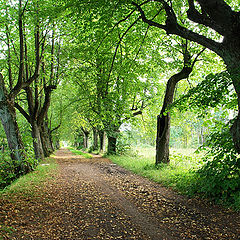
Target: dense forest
<point x="119" y="77"/>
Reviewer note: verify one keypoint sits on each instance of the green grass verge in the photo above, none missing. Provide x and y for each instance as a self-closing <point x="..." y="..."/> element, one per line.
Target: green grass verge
<point x="178" y="174"/>
<point x="32" y="182"/>
<point x="78" y="152"/>
<point x="29" y="186"/>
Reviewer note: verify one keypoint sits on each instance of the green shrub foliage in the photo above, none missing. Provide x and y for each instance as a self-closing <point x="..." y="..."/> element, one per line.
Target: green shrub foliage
<point x="219" y="177"/>
<point x="10" y="169"/>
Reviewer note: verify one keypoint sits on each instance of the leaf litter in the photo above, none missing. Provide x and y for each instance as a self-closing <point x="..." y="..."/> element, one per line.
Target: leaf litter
<point x="95" y="199"/>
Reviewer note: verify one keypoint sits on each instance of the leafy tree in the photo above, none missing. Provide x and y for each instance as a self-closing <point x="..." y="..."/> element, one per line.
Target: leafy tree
<point x="219" y="17"/>
<point x="9" y="94"/>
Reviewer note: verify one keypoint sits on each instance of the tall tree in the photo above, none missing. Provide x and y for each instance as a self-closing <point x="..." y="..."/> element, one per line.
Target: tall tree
<point x="217" y="15"/>
<point x="163" y="120"/>
<point x="8" y="95"/>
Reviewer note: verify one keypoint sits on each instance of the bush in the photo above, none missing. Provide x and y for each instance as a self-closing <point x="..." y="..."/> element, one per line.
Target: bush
<point x="9" y="169"/>
<point x="219" y="177"/>
<point x="123" y="145"/>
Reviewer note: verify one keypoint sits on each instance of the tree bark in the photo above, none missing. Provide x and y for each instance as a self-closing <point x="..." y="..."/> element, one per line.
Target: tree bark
<point x="234" y="71"/>
<point x="37" y="142"/>
<point x="163" y="120"/>
<point x="46" y="140"/>
<point x="95" y="139"/>
<point x="9" y="122"/>
<point x="112" y="145"/>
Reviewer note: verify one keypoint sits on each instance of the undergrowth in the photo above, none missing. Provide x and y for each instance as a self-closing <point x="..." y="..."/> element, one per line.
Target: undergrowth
<point x="30" y="183"/>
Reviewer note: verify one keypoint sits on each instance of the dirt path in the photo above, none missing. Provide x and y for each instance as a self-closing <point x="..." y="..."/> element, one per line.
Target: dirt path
<point x="96" y="199"/>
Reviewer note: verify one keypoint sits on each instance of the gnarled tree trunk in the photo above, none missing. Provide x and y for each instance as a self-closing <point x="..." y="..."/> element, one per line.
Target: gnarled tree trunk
<point x="37" y="142"/>
<point x="46" y="140"/>
<point x="9" y="122"/>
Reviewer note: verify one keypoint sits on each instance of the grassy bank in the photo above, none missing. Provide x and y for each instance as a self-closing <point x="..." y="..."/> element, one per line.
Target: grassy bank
<point x="178" y="174"/>
<point x="181" y="175"/>
<point x="26" y="189"/>
<point x="31" y="182"/>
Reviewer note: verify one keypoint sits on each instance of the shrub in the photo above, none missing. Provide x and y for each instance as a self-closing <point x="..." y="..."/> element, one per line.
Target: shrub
<point x="219" y="177"/>
<point x="9" y="169"/>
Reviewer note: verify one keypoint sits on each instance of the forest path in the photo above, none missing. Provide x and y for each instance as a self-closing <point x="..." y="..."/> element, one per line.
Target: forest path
<point x="96" y="199"/>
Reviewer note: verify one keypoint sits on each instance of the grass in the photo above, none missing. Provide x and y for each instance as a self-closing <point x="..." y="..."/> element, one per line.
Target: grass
<point x="29" y="186"/>
<point x="29" y="183"/>
<point x="78" y="152"/>
<point x="178" y="174"/>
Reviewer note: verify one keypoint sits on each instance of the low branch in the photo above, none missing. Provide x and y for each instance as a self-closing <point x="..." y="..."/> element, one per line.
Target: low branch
<point x="22" y="111"/>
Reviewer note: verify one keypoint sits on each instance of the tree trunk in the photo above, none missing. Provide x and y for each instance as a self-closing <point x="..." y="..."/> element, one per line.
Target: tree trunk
<point x="9" y="122"/>
<point x="163" y="120"/>
<point x="101" y="139"/>
<point x="37" y="142"/>
<point x="112" y="145"/>
<point x="235" y="128"/>
<point x="85" y="139"/>
<point x="46" y="140"/>
<point x="163" y="137"/>
<point x="95" y="139"/>
<point x="57" y="144"/>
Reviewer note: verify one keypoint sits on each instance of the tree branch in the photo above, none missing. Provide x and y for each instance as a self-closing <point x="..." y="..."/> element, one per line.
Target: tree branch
<point x="203" y="18"/>
<point x="118" y="44"/>
<point x="22" y="111"/>
<point x="172" y="27"/>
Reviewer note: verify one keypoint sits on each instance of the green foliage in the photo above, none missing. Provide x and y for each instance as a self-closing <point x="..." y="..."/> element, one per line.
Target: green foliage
<point x="10" y="170"/>
<point x="7" y="170"/>
<point x="219" y="177"/>
<point x="31" y="182"/>
<point x="123" y="144"/>
<point x="213" y="91"/>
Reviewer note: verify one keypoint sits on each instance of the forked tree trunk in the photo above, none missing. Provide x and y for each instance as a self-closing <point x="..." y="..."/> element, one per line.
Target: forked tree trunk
<point x="163" y="120"/>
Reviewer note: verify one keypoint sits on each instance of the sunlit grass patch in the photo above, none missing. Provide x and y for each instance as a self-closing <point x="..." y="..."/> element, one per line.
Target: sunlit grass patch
<point x="78" y="152"/>
<point x="31" y="183"/>
<point x="177" y="174"/>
